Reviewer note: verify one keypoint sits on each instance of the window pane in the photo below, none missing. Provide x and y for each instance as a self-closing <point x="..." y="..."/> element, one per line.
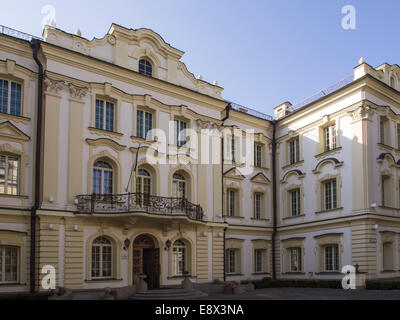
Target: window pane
<point x="15" y="103"/>
<point x="99" y="114"/>
<point x="109" y="116"/>
<point x="148" y="124"/>
<point x="10" y="257"/>
<point x="139" y="124"/>
<point x="97" y="181"/>
<point x="3" y="96"/>
<point x="12" y="180"/>
<point x="3" y="169"/>
<point x="108" y="176"/>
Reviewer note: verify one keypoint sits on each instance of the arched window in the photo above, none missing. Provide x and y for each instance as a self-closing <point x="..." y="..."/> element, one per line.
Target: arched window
<point x="179" y="186"/>
<point x="179" y="258"/>
<point x="143" y="182"/>
<point x="393" y="82"/>
<point x="145" y="67"/>
<point x="102" y="178"/>
<point x="102" y="258"/>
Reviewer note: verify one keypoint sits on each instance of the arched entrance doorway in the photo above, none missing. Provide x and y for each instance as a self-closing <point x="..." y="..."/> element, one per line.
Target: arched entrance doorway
<point x="146" y="260"/>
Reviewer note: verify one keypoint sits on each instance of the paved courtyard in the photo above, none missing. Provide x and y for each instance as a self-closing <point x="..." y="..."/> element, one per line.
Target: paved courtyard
<point x="311" y="294"/>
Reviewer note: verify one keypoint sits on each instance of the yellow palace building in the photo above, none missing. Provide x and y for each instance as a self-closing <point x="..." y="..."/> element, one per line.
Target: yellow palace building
<point x="79" y="192"/>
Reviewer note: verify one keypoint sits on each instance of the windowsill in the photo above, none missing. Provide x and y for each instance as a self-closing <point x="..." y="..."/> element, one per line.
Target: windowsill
<point x="135" y="138"/>
<point x="387" y="207"/>
<point x="261" y="219"/>
<point x="329" y="273"/>
<point x="235" y="217"/>
<point x="181" y="277"/>
<point x="330" y="210"/>
<point x="14" y="196"/>
<point x="294" y="273"/>
<point x="234" y="274"/>
<point x="293" y="165"/>
<point x="15" y="118"/>
<point x="111" y="134"/>
<point x="385" y="146"/>
<point x="103" y="280"/>
<point x="388" y="271"/>
<point x="260" y="273"/>
<point x="260" y="168"/>
<point x="326" y="153"/>
<point x="294" y="217"/>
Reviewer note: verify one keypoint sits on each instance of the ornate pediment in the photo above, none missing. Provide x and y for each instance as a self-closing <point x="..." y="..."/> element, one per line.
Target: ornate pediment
<point x="260" y="178"/>
<point x="11" y="133"/>
<point x="234" y="174"/>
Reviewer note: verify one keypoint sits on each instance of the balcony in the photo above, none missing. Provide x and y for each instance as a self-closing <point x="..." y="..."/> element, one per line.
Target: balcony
<point x="111" y="204"/>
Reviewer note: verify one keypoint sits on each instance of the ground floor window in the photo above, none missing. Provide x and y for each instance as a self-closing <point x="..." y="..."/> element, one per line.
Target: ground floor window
<point x="9" y="263"/>
<point x="260" y="257"/>
<point x="179" y="256"/>
<point x="231" y="261"/>
<point x="295" y="259"/>
<point x="388" y="256"/>
<point x="332" y="258"/>
<point x="102" y="258"/>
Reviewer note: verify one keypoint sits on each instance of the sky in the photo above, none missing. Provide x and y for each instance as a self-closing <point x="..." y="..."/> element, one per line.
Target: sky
<point x="262" y="52"/>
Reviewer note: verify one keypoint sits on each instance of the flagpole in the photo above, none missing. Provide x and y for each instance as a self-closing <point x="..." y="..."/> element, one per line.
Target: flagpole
<point x="134" y="166"/>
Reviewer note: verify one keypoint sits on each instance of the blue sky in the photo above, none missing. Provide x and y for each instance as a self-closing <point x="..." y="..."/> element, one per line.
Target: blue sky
<point x="262" y="52"/>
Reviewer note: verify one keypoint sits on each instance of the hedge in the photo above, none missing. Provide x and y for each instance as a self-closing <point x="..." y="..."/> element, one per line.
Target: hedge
<point x="24" y="296"/>
<point x="267" y="283"/>
<point x="382" y="284"/>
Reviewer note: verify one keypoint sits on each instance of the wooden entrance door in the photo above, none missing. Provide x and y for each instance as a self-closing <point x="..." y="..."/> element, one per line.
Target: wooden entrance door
<point x="146" y="260"/>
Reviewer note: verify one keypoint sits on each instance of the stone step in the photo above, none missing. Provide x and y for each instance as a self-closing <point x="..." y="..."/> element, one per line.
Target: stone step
<point x="169" y="294"/>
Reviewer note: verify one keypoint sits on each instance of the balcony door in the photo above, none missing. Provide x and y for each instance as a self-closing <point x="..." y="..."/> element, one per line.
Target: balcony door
<point x="179" y="186"/>
<point x="146" y="260"/>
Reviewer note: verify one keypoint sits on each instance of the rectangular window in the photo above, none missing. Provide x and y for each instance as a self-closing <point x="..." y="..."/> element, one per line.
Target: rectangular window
<point x="294" y="150"/>
<point x="295" y="260"/>
<point x="260" y="256"/>
<point x="180" y="138"/>
<point x="332" y="258"/>
<point x="233" y="149"/>
<point x="257" y="155"/>
<point x="104" y="115"/>
<point x="329" y="138"/>
<point x="295" y="203"/>
<point x="382" y="129"/>
<point x="144" y="124"/>
<point x="9" y="263"/>
<point x="231" y="261"/>
<point x="9" y="175"/>
<point x="398" y="137"/>
<point x="258" y="205"/>
<point x="330" y="195"/>
<point x="385" y="191"/>
<point x="10" y="97"/>
<point x="388" y="256"/>
<point x="231" y="205"/>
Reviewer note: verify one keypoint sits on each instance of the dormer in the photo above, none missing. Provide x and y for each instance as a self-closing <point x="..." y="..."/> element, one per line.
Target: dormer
<point x="282" y="110"/>
<point x="141" y="50"/>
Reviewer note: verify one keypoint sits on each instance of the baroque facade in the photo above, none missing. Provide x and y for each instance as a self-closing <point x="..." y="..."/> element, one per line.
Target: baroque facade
<point x="78" y="192"/>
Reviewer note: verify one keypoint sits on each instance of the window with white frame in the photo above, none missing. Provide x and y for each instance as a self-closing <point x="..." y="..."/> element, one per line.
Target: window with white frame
<point x="294" y="150"/>
<point x="231" y="203"/>
<point x="104" y="115"/>
<point x="330" y="136"/>
<point x="179" y="186"/>
<point x="260" y="260"/>
<point x="231" y="148"/>
<point x="143" y="182"/>
<point x="258" y="149"/>
<point x="102" y="178"/>
<point x="231" y="261"/>
<point x="9" y="264"/>
<point x="179" y="257"/>
<point x="102" y="258"/>
<point x="294" y="205"/>
<point x="295" y="259"/>
<point x="145" y="67"/>
<point x="10" y="97"/>
<point x="144" y="124"/>
<point x="386" y="192"/>
<point x="330" y="194"/>
<point x="258" y="207"/>
<point x="331" y="258"/>
<point x="9" y="174"/>
<point x="180" y="137"/>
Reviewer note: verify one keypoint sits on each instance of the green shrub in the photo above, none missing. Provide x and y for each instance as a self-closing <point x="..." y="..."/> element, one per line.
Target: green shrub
<point x="268" y="283"/>
<point x="382" y="284"/>
<point x="24" y="296"/>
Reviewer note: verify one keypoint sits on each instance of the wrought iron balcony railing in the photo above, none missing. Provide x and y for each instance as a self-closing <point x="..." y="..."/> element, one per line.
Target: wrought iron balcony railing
<point x="138" y="202"/>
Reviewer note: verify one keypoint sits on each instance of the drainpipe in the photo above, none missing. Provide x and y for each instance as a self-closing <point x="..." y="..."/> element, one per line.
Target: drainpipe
<point x="274" y="197"/>
<point x="35" y="45"/>
<point x="228" y="108"/>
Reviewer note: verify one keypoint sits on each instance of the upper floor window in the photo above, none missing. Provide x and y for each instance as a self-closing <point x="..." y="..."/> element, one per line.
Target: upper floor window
<point x="180" y="138"/>
<point x="231" y="203"/>
<point x="101" y="258"/>
<point x="295" y="259"/>
<point x="104" y="115"/>
<point x="330" y="195"/>
<point x="10" y="97"/>
<point x="332" y="258"/>
<point x="179" y="186"/>
<point x="9" y="174"/>
<point x="102" y="178"/>
<point x="179" y="256"/>
<point x="258" y="197"/>
<point x="294" y="150"/>
<point x="143" y="182"/>
<point x="231" y="148"/>
<point x="144" y="124"/>
<point x="386" y="192"/>
<point x="330" y="138"/>
<point x="145" y="67"/>
<point x="258" y="155"/>
<point x="9" y="264"/>
<point x="384" y="130"/>
<point x="295" y="202"/>
<point x="398" y="137"/>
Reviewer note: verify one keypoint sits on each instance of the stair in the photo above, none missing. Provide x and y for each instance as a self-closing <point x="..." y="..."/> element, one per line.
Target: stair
<point x="169" y="294"/>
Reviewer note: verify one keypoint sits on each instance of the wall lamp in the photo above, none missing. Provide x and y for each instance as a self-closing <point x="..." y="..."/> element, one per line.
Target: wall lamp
<point x="127" y="243"/>
<point x="168" y="244"/>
